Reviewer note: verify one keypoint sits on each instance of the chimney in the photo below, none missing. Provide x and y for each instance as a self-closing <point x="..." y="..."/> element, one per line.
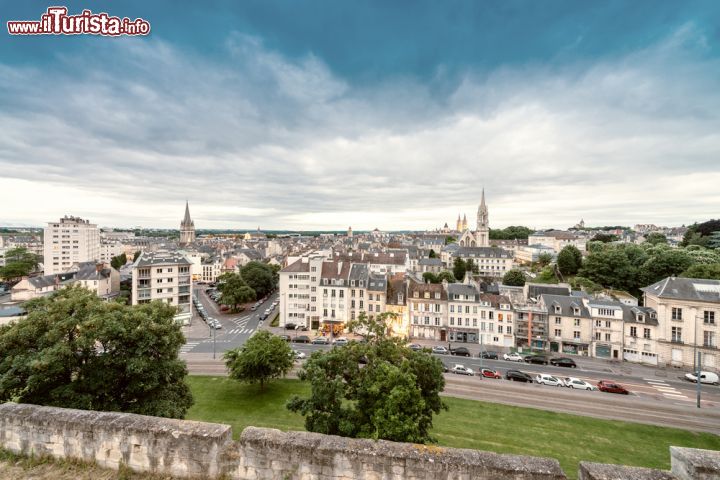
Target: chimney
<point x="99" y="267"/>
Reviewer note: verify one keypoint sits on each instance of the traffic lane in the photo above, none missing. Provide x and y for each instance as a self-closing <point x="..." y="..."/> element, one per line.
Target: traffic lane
<point x="634" y="384"/>
<point x="588" y="403"/>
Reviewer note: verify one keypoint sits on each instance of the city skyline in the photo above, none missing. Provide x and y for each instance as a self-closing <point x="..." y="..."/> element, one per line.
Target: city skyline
<point x="297" y="117"/>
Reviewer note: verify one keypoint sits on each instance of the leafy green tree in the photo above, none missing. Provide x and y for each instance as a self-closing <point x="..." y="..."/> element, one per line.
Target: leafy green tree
<point x="446" y="275"/>
<point x="263" y="357"/>
<point x="604" y="238"/>
<point x="449" y="240"/>
<point x="514" y="278"/>
<point x="432" y="254"/>
<point x="118" y="261"/>
<point x="544" y="259"/>
<point x="656" y="238"/>
<point x="459" y="268"/>
<point x="136" y="255"/>
<point x="611" y="268"/>
<point x="430" y="277"/>
<point x="705" y="271"/>
<point x="234" y="291"/>
<point x="665" y="263"/>
<point x="511" y="233"/>
<point x="392" y="395"/>
<point x="19" y="262"/>
<point x="259" y="276"/>
<point x="74" y="350"/>
<point x="569" y="260"/>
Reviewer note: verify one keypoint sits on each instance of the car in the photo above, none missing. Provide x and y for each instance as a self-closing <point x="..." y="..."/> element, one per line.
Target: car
<point x="263" y="316"/>
<point x="290" y="326"/>
<point x="460" y="352"/>
<point x="563" y="362"/>
<point x="536" y="359"/>
<point x="415" y="347"/>
<point x="341" y="341"/>
<point x="285" y="337"/>
<point x="488" y="355"/>
<point x="611" y="387"/>
<point x="513" y="357"/>
<point x="518" y="376"/>
<point x="545" y="379"/>
<point x="253" y="308"/>
<point x="299" y="355"/>
<point x="321" y="341"/>
<point x="489" y="373"/>
<point x="705" y="377"/>
<point x="462" y="370"/>
<point x="302" y="339"/>
<point x="576" y="383"/>
<point x="302" y="328"/>
<point x="440" y="350"/>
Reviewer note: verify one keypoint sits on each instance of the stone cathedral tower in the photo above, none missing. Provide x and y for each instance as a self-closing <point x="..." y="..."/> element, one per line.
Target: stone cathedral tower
<point x="187" y="228"/>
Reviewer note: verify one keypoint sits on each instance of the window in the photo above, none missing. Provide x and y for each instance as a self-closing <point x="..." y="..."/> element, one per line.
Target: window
<point x="633" y="331"/>
<point x="509" y="330"/>
<point x="676" y="334"/>
<point x="558" y="320"/>
<point x="427" y="320"/>
<point x="576" y="334"/>
<point x="474" y="322"/>
<point x="708" y="339"/>
<point x="467" y="322"/>
<point x="676" y="313"/>
<point x="577" y="322"/>
<point x="607" y="324"/>
<point x="607" y="337"/>
<point x="646" y="334"/>
<point x="500" y="328"/>
<point x="598" y="336"/>
<point x="437" y="322"/>
<point x="452" y="308"/>
<point x="452" y="321"/>
<point x="709" y="317"/>
<point x="558" y="333"/>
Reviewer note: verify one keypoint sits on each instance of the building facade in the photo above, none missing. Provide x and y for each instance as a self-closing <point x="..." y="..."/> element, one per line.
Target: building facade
<point x="69" y="241"/>
<point x="163" y="276"/>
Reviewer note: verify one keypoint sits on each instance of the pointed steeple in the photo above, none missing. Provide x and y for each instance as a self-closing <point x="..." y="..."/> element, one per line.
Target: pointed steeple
<point x="482" y="199"/>
<point x="187" y="220"/>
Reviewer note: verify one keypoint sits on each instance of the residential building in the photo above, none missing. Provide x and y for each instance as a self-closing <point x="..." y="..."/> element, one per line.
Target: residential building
<point x="490" y="261"/>
<point x="427" y="307"/>
<point x="641" y="332"/>
<point x="688" y="314"/>
<point x="558" y="239"/>
<point x="432" y="265"/>
<point x="100" y="278"/>
<point x="211" y="269"/>
<point x="164" y="276"/>
<point x="531" y="253"/>
<point x="607" y="328"/>
<point x="69" y="241"/>
<point x="569" y="324"/>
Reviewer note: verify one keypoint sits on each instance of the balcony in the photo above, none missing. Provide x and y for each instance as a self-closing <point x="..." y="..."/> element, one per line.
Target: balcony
<point x="676" y="340"/>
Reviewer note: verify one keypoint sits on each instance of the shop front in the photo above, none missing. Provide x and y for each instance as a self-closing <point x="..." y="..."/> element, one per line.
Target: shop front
<point x="573" y="348"/>
<point x="463" y="336"/>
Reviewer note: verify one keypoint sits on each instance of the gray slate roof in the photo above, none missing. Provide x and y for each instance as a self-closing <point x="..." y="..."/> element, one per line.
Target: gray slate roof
<point x="483" y="252"/>
<point x="462" y="289"/>
<point x="702" y="290"/>
<point x="148" y="259"/>
<point x="567" y="306"/>
<point x="433" y="262"/>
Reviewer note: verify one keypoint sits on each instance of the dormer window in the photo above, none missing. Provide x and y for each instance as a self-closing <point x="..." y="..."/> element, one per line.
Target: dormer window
<point x="416" y="295"/>
<point x="641" y="318"/>
<point x="437" y="295"/>
<point x="427" y="295"/>
<point x="557" y="308"/>
<point x="352" y="283"/>
<point x="576" y="311"/>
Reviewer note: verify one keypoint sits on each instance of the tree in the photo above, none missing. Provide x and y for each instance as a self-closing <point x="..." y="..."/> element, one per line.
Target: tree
<point x="511" y="233"/>
<point x="656" y="238"/>
<point x="664" y="263"/>
<point x="705" y="271"/>
<point x="118" y="261"/>
<point x="449" y="239"/>
<point x="446" y="275"/>
<point x="544" y="259"/>
<point x="459" y="268"/>
<point x="19" y="262"/>
<point x="234" y="291"/>
<point x="432" y="254"/>
<point x="514" y="278"/>
<point x="136" y="255"/>
<point x="430" y="277"/>
<point x="263" y="357"/>
<point x="611" y="268"/>
<point x="471" y="266"/>
<point x="259" y="276"/>
<point x="604" y="238"/>
<point x="569" y="260"/>
<point x="391" y="395"/>
<point x="74" y="350"/>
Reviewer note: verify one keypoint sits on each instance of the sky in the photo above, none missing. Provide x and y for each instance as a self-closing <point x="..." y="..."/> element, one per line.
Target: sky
<point x="382" y="113"/>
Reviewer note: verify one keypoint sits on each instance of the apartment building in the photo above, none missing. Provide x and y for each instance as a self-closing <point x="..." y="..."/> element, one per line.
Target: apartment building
<point x="688" y="313"/>
<point x="69" y="241"/>
<point x="99" y="278"/>
<point x="475" y="317"/>
<point x="111" y="249"/>
<point x="569" y="324"/>
<point x="163" y="276"/>
<point x="491" y="261"/>
<point x="558" y="239"/>
<point x="641" y="332"/>
<point x="427" y="307"/>
<point x="299" y="283"/>
<point x="211" y="269"/>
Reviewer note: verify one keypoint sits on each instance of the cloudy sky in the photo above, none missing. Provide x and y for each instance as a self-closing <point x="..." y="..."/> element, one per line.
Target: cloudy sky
<point x="389" y="114"/>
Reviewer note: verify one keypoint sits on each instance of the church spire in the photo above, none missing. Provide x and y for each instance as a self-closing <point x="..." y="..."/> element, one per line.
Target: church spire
<point x="482" y="199"/>
<point x="187" y="221"/>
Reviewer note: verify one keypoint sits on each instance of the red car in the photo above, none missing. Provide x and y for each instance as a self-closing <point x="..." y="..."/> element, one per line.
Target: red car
<point x="487" y="373"/>
<point x="611" y="387"/>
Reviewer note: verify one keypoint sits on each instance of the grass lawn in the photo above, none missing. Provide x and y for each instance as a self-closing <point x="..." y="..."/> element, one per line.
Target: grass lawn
<point x="468" y="424"/>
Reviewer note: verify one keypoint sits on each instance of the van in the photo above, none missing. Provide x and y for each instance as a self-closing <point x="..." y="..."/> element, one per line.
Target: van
<point x="705" y="377"/>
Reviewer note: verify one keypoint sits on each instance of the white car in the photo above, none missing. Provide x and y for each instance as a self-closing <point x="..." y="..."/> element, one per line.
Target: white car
<point x="576" y="383"/>
<point x="340" y="341"/>
<point x="513" y="357"/>
<point x="705" y="377"/>
<point x="462" y="370"/>
<point x="299" y="355"/>
<point x="545" y="379"/>
<point x="440" y="350"/>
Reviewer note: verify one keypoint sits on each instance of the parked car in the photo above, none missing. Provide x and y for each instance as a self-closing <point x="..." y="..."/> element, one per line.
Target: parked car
<point x="611" y="387"/>
<point x="302" y="328"/>
<point x="462" y="370"/>
<point x="545" y="379"/>
<point x="576" y="383"/>
<point x="488" y="373"/>
<point x="705" y="377"/>
<point x="440" y="350"/>
<point x="563" y="362"/>
<point x="299" y="355"/>
<point x="461" y="352"/>
<point x="253" y="308"/>
<point x="321" y="341"/>
<point x="518" y="376"/>
<point x="489" y="355"/>
<point x="513" y="357"/>
<point x="341" y="341"/>
<point x="415" y="347"/>
<point x="290" y="326"/>
<point x="536" y="359"/>
<point x="285" y="337"/>
<point x="302" y="339"/>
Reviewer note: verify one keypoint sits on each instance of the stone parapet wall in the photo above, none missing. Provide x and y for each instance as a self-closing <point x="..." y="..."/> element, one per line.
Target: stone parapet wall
<point x="187" y="449"/>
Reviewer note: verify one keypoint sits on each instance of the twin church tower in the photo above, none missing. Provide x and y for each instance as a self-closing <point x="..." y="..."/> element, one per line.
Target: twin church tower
<point x="481" y="236"/>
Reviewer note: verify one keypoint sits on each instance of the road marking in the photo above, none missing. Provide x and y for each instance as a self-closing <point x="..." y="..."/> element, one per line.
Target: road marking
<point x="652" y="382"/>
<point x="675" y="396"/>
<point x="188" y="346"/>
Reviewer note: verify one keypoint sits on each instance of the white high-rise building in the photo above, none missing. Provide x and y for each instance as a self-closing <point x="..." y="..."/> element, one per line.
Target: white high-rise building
<point x="163" y="276"/>
<point x="69" y="241"/>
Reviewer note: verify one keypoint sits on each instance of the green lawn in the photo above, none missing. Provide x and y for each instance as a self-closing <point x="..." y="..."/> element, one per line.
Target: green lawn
<point x="468" y="424"/>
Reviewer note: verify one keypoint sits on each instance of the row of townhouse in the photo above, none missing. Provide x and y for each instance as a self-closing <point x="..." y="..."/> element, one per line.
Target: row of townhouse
<point x="490" y="261"/>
